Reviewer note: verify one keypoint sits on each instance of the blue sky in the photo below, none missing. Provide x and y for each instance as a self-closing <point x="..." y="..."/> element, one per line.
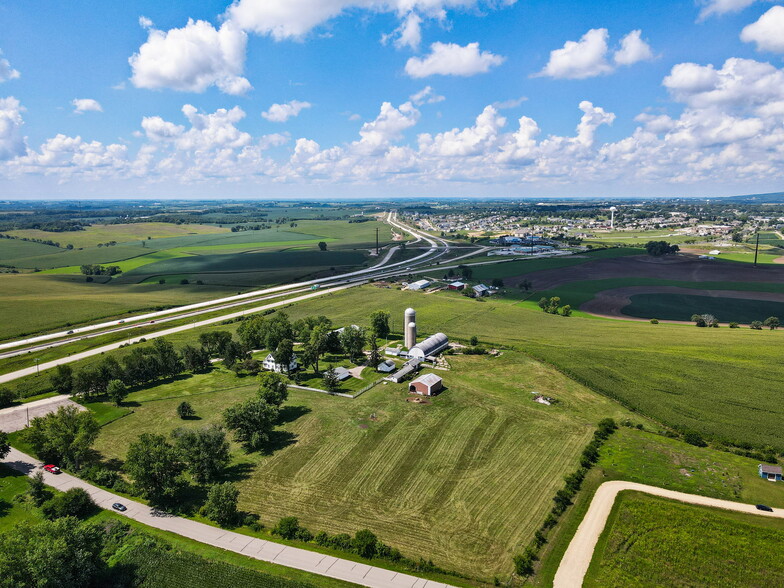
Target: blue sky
<point x="365" y="98"/>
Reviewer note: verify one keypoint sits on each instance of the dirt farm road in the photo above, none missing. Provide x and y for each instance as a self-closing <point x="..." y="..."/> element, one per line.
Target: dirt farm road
<point x="574" y="564"/>
<point x="293" y="557"/>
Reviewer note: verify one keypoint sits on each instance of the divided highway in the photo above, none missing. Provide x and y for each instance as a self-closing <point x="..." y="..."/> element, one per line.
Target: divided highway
<point x="437" y="248"/>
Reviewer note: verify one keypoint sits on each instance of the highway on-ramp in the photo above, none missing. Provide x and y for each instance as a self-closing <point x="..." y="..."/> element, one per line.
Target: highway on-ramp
<point x="574" y="565"/>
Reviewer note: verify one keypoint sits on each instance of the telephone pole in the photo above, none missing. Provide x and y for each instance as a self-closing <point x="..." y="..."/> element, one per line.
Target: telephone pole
<point x="756" y="249"/>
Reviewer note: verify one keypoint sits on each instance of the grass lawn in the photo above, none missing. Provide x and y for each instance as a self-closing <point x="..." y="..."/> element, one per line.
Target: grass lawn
<point x="444" y="480"/>
<point x="12" y="512"/>
<point x="651" y="541"/>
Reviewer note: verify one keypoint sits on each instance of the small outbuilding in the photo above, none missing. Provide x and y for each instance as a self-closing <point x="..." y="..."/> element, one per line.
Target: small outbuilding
<point x="482" y="290"/>
<point x="769" y="472"/>
<point x="270" y="364"/>
<point x="456" y="286"/>
<point x="342" y="374"/>
<point x="426" y="385"/>
<point x="386" y="367"/>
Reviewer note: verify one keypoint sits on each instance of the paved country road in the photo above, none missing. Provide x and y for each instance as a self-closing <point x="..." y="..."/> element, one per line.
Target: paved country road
<point x="575" y="562"/>
<point x="293" y="557"/>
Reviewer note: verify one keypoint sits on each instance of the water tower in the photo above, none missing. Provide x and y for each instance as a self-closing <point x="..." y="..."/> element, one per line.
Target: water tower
<point x="612" y="216"/>
<point x="409" y="327"/>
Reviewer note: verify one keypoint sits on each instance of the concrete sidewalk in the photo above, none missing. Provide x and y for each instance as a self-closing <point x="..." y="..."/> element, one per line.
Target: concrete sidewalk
<point x="293" y="557"/>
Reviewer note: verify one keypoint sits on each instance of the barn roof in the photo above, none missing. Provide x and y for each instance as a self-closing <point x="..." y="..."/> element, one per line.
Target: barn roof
<point x="432" y="344"/>
<point x="769" y="469"/>
<point x="429" y="380"/>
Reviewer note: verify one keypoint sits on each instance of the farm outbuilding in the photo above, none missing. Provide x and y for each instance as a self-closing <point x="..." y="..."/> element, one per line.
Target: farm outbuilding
<point x="430" y="346"/>
<point x="419" y="285"/>
<point x="482" y="290"/>
<point x="270" y="364"/>
<point x="409" y="368"/>
<point x="427" y="385"/>
<point x="342" y="373"/>
<point x="456" y="286"/>
<point x="386" y="367"/>
<point x="769" y="472"/>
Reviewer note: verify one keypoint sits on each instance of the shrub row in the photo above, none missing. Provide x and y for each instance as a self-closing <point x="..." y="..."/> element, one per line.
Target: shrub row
<point x="524" y="562"/>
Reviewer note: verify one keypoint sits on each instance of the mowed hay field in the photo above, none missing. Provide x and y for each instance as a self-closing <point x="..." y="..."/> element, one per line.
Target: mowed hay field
<point x="724" y="383"/>
<point x="464" y="480"/>
<point x="650" y="541"/>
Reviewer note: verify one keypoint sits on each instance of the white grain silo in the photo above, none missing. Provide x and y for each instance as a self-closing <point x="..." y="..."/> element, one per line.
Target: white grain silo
<point x="409" y="326"/>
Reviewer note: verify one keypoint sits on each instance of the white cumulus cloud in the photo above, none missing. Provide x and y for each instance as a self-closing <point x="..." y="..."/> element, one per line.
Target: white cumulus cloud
<point x="283" y="112"/>
<point x="767" y="32"/>
<point x="450" y="59"/>
<point x="720" y="7"/>
<point x="6" y="71"/>
<point x="86" y="105"/>
<point x="589" y="57"/>
<point x="12" y="143"/>
<point x="633" y="49"/>
<point x="192" y="58"/>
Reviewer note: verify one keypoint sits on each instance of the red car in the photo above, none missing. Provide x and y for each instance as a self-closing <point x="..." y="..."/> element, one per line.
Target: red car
<point x="52" y="469"/>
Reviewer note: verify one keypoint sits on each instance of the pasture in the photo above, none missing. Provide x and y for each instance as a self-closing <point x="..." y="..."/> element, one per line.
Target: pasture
<point x="701" y="546"/>
<point x="444" y="480"/>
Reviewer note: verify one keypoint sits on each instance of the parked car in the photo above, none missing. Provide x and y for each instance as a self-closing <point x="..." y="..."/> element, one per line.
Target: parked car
<point x="52" y="469"/>
<point x="69" y="333"/>
<point x="764" y="507"/>
<point x="119" y="506"/>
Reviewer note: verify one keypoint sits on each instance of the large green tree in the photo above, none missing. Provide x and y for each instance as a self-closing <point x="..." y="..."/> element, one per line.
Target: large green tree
<point x="273" y="388"/>
<point x="379" y="324"/>
<point x="353" y="340"/>
<point x="51" y="554"/>
<point x="284" y="353"/>
<point x="62" y="379"/>
<point x="65" y="436"/>
<point x="5" y="447"/>
<point x="155" y="467"/>
<point x="205" y="451"/>
<point x="221" y="505"/>
<point x="252" y="422"/>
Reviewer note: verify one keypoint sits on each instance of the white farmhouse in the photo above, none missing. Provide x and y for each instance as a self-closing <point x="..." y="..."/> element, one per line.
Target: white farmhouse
<point x="270" y="364"/>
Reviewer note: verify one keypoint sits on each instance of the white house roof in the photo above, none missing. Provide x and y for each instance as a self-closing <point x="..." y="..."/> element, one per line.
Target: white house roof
<point x="457" y="284"/>
<point x="386" y="366"/>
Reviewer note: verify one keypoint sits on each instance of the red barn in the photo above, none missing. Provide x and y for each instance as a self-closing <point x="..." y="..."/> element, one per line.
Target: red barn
<point x="426" y="385"/>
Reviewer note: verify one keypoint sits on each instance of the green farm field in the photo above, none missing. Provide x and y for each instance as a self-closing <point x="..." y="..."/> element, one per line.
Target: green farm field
<point x="701" y="546"/>
<point x="98" y="233"/>
<point x="31" y="303"/>
<point x="680" y="307"/>
<point x="444" y="480"/>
